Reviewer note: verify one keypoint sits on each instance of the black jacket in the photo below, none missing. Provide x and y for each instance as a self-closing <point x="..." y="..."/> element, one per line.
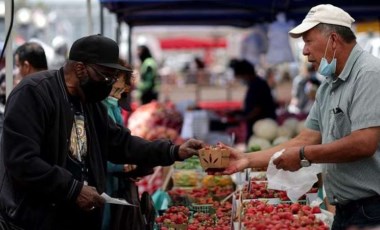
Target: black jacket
<point x="36" y="190"/>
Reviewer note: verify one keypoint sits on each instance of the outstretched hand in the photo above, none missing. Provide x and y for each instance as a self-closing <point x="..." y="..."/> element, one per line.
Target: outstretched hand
<point x="190" y="148"/>
<point x="238" y="161"/>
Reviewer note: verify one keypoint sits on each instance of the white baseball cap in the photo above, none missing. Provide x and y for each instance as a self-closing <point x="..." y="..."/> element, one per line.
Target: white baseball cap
<point x="324" y="13"/>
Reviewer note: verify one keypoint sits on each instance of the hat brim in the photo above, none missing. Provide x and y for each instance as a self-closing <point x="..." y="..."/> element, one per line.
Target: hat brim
<point x="115" y="66"/>
<point x="297" y="31"/>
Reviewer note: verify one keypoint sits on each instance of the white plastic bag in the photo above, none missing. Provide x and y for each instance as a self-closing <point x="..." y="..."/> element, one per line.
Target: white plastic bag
<point x="295" y="183"/>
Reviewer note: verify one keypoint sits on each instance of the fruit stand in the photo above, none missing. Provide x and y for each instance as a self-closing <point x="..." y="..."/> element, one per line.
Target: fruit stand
<point x="240" y="201"/>
<point x="210" y="205"/>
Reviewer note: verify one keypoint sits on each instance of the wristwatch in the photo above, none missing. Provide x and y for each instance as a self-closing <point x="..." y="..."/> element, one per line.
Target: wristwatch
<point x="304" y="162"/>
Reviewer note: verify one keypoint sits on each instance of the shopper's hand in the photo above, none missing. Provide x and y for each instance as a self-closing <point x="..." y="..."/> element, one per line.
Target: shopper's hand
<point x="89" y="199"/>
<point x="190" y="148"/>
<point x="129" y="167"/>
<point x="289" y="160"/>
<point x="238" y="161"/>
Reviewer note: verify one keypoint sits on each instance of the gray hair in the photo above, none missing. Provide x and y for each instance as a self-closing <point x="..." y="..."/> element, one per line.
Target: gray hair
<point x="344" y="32"/>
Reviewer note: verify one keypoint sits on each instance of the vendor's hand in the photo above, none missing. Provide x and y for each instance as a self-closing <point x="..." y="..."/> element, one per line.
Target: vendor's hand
<point x="238" y="160"/>
<point x="190" y="148"/>
<point x="289" y="160"/>
<point x="89" y="199"/>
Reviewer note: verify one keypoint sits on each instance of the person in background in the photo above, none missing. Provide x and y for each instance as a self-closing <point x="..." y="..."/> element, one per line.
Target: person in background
<point x="300" y="97"/>
<point x="201" y="73"/>
<point x="61" y="50"/>
<point x="121" y="177"/>
<point x="53" y="165"/>
<point x="148" y="86"/>
<point x="270" y="77"/>
<point x="258" y="101"/>
<point x="311" y="89"/>
<point x="343" y="127"/>
<point x="30" y="58"/>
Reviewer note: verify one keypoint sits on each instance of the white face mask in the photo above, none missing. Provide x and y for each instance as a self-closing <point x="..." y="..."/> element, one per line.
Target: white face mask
<point x="327" y="69"/>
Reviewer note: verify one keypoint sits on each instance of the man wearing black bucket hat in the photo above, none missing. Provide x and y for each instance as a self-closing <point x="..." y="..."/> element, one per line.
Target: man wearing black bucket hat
<point x="58" y="137"/>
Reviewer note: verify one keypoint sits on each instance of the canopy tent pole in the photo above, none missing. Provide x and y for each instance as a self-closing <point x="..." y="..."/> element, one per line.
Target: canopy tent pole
<point x="101" y="13"/>
<point x="9" y="51"/>
<point x="130" y="44"/>
<point x="118" y="32"/>
<point x="89" y="18"/>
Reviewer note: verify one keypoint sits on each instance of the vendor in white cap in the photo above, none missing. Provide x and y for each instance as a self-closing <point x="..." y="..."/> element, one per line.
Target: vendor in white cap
<point x="342" y="129"/>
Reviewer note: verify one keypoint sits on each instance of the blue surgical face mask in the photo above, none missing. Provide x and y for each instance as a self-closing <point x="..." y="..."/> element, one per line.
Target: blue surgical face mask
<point x="327" y="69"/>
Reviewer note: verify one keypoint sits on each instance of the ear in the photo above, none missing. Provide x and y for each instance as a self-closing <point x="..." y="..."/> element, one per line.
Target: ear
<point x="79" y="66"/>
<point x="27" y="67"/>
<point x="334" y="40"/>
<point x="80" y="70"/>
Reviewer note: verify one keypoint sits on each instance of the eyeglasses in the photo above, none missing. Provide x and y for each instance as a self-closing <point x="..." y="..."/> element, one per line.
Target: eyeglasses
<point x="109" y="78"/>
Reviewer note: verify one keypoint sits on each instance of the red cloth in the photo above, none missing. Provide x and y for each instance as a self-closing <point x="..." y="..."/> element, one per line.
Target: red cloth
<point x="220" y="105"/>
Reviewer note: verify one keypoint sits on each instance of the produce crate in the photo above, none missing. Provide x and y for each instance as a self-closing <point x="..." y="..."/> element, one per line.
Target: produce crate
<point x="205" y="208"/>
<point x="158" y="226"/>
<point x="179" y="201"/>
<point x="290" y="202"/>
<point x="179" y="196"/>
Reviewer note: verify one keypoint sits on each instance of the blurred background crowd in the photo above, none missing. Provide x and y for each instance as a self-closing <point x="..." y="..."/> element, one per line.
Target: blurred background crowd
<point x="188" y="57"/>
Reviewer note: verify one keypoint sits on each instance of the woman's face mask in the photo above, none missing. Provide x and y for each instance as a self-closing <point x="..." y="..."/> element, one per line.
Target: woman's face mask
<point x="112" y="100"/>
<point x="327" y="69"/>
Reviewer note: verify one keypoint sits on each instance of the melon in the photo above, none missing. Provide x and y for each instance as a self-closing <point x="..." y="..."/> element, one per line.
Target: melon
<point x="254" y="142"/>
<point x="265" y="128"/>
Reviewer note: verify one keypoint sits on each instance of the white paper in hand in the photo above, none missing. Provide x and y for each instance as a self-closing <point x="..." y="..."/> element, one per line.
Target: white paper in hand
<point x="295" y="183"/>
<point x="112" y="200"/>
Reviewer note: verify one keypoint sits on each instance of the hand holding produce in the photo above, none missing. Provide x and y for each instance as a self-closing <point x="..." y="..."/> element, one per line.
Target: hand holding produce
<point x="214" y="158"/>
<point x="236" y="162"/>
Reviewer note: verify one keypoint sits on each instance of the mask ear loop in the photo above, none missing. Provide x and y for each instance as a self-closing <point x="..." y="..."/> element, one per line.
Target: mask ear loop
<point x="328" y="41"/>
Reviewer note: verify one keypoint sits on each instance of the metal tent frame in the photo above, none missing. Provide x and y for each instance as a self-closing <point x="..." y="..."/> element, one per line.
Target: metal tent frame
<point x="236" y="13"/>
